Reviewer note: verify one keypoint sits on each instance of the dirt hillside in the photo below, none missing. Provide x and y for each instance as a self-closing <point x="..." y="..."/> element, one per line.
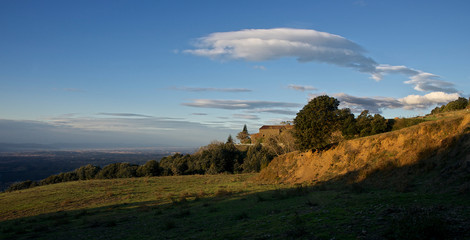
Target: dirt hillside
<point x="432" y="154"/>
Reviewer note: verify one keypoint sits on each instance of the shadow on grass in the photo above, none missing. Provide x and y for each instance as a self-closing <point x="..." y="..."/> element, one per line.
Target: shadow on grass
<point x="389" y="203"/>
<point x="301" y="212"/>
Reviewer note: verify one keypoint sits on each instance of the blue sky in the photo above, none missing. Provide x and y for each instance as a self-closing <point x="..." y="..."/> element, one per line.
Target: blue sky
<point x="185" y="73"/>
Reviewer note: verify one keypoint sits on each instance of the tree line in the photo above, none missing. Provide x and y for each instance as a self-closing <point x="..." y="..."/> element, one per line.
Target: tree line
<point x="215" y="158"/>
<point x="88" y="172"/>
<point x="320" y="123"/>
<point x="460" y="103"/>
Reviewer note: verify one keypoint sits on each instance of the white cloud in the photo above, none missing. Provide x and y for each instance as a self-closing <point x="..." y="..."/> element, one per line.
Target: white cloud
<point x="268" y="44"/>
<point x="246" y="116"/>
<point x="308" y="45"/>
<point x="430" y="82"/>
<point x="273" y="110"/>
<point x="417" y="101"/>
<point x="238" y="104"/>
<point x="377" y="104"/>
<point x="387" y="69"/>
<point x="260" y="67"/>
<point x="373" y="104"/>
<point x="125" y="115"/>
<point x="302" y="88"/>
<point x="422" y="81"/>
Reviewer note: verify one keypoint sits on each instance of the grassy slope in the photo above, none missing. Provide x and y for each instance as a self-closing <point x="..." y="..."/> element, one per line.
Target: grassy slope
<point x="220" y="207"/>
<point x="239" y="207"/>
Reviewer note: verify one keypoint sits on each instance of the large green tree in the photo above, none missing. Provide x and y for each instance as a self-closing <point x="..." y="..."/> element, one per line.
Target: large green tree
<point x="316" y="122"/>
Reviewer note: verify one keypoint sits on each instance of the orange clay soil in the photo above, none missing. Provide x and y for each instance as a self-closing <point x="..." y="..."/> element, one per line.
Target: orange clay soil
<point x="427" y="145"/>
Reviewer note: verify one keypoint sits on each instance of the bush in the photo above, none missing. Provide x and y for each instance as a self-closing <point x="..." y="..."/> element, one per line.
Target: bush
<point x="21" y="185"/>
<point x="400" y="123"/>
<point x="87" y="172"/>
<point x="218" y="158"/>
<point x="257" y="158"/>
<point x="118" y="170"/>
<point x="176" y="164"/>
<point x="62" y="177"/>
<point x="460" y="103"/>
<point x="150" y="168"/>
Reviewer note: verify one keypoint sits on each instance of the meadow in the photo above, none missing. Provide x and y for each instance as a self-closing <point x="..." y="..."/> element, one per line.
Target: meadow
<point x="227" y="207"/>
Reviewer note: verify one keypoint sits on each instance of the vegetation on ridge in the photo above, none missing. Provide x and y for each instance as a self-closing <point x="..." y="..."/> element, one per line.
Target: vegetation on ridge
<point x="434" y="152"/>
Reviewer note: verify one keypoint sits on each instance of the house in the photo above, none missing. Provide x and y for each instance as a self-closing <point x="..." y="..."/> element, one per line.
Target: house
<point x="268" y="131"/>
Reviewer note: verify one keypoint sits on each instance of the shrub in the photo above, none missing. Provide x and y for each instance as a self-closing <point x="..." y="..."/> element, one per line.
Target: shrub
<point x="400" y="123"/>
<point x="21" y="185"/>
<point x="118" y="170"/>
<point x="87" y="172"/>
<point x="150" y="168"/>
<point x="218" y="157"/>
<point x="257" y="158"/>
<point x="460" y="103"/>
<point x="176" y="164"/>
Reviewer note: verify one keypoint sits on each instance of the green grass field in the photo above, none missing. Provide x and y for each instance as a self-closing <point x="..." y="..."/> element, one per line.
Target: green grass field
<point x="226" y="207"/>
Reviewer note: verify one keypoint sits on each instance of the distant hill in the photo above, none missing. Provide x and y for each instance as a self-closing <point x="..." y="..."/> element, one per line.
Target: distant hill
<point x="433" y="155"/>
<point x="16" y="147"/>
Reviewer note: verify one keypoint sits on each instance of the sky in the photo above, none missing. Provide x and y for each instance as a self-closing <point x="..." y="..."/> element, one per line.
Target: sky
<point x="186" y="73"/>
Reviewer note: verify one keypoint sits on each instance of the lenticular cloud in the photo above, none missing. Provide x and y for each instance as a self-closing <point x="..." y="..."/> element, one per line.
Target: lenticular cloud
<point x="422" y="81"/>
<point x="267" y="44"/>
<point x="307" y="45"/>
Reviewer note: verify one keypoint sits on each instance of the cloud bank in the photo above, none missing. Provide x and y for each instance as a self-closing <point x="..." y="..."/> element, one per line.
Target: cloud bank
<point x="112" y="130"/>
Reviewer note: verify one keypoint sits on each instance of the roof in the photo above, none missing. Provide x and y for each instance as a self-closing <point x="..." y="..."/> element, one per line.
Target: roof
<point x="276" y="127"/>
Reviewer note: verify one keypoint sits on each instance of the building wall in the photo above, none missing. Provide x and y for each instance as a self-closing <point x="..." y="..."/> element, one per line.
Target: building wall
<point x="270" y="132"/>
<point x="267" y="131"/>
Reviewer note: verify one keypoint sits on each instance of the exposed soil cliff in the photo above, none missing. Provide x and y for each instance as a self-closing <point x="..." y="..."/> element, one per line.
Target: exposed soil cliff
<point x="431" y="155"/>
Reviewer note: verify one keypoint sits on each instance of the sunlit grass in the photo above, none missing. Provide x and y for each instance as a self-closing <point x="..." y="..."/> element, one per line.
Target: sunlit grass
<point x="100" y="193"/>
<point x="210" y="207"/>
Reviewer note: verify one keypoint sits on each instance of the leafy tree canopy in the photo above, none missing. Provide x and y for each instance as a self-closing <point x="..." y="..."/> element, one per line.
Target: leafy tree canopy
<point x="315" y="123"/>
